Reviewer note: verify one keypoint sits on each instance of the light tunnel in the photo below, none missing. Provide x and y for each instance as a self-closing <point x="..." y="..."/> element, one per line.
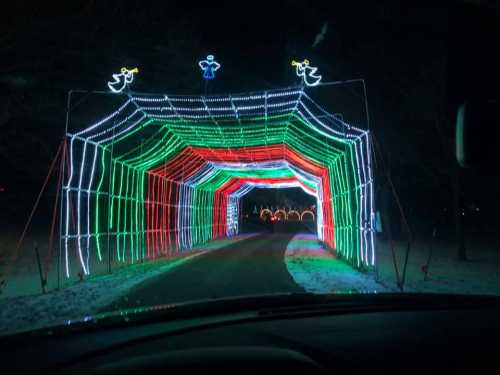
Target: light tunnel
<point x="162" y="174"/>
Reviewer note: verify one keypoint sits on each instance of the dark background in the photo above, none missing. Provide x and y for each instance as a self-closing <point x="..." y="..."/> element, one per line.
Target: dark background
<point x="289" y="198"/>
<point x="420" y="61"/>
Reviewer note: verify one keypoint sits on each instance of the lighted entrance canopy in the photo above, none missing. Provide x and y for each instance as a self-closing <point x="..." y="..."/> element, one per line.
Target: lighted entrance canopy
<point x="160" y="174"/>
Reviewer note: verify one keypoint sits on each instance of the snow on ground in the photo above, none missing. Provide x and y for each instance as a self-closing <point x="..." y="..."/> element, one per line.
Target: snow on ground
<point x="318" y="271"/>
<point x="310" y="264"/>
<point x="86" y="298"/>
<point x="480" y="274"/>
<point x="19" y="268"/>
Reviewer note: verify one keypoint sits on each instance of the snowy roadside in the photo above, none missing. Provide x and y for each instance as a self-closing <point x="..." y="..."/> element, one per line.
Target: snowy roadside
<point x="318" y="271"/>
<point x="479" y="275"/>
<point x="88" y="297"/>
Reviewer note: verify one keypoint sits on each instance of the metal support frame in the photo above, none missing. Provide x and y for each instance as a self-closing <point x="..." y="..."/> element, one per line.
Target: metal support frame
<point x="61" y="192"/>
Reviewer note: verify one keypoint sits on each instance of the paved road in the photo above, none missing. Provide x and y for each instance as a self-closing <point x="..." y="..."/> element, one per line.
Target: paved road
<point x="253" y="266"/>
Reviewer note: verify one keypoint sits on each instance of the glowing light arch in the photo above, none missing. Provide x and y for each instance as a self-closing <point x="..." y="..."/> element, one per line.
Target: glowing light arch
<point x="161" y="174"/>
<point x="282" y="212"/>
<point x="294" y="213"/>
<point x="307" y="212"/>
<point x="265" y="211"/>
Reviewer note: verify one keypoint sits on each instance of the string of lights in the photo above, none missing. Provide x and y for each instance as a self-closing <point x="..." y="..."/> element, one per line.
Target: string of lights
<point x="162" y="174"/>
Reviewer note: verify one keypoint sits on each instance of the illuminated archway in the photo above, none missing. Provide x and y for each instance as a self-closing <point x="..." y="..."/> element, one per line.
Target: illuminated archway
<point x="293" y="215"/>
<point x="280" y="215"/>
<point x="161" y="173"/>
<point x="307" y="214"/>
<point x="266" y="214"/>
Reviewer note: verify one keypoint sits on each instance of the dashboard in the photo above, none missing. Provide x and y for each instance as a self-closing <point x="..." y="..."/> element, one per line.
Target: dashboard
<point x="424" y="340"/>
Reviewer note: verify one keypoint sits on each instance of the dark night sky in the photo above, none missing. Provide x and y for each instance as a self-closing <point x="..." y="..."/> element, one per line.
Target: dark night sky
<point x="419" y="60"/>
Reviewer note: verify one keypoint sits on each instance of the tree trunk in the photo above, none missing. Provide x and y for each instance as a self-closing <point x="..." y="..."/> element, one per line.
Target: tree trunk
<point x="459" y="218"/>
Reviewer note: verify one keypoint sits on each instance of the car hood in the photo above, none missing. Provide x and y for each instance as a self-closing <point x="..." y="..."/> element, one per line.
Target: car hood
<point x="267" y="306"/>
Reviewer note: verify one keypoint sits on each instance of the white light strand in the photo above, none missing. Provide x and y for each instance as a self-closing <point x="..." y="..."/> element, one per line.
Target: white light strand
<point x="130" y="127"/>
<point x="88" y="202"/>
<point x="236" y="108"/>
<point x="78" y="209"/>
<point x="105" y="119"/>
<point x="115" y="126"/>
<point x="329" y="115"/>
<point x="70" y="178"/>
<point x="210" y="99"/>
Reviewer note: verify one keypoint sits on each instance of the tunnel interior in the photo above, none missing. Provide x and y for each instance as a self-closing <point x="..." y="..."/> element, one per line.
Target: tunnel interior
<point x="285" y="209"/>
<point x="159" y="175"/>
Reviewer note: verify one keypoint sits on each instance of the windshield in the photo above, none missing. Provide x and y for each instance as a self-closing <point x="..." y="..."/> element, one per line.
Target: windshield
<point x="155" y="154"/>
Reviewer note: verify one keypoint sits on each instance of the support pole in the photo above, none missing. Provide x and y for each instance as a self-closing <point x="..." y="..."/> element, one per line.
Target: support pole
<point x="35" y="206"/>
<point x="400" y="279"/>
<point x="376" y="193"/>
<point x="429" y="257"/>
<point x="54" y="215"/>
<point x="366" y="105"/>
<point x="459" y="222"/>
<point x="61" y="201"/>
<point x="43" y="281"/>
<point x="25" y="230"/>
